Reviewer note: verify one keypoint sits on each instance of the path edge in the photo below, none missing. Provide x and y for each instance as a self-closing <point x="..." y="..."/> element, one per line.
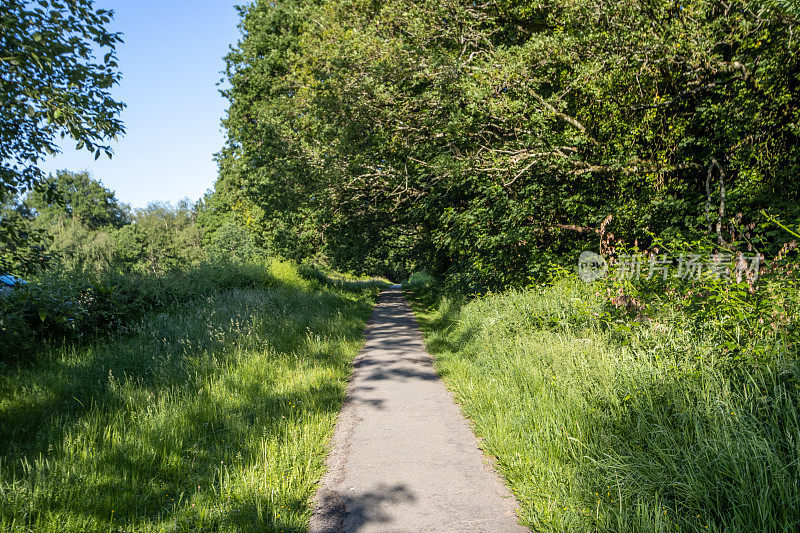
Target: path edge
<point x="327" y="506"/>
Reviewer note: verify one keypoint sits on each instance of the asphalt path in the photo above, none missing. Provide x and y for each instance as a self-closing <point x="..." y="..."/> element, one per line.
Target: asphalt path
<point x="403" y="458"/>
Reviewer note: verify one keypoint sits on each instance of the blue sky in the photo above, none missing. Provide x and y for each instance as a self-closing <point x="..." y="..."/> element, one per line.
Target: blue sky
<point x="170" y="61"/>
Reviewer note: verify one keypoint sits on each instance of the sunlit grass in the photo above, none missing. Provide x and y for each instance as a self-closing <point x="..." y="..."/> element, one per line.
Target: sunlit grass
<point x="600" y="431"/>
<point x="210" y="416"/>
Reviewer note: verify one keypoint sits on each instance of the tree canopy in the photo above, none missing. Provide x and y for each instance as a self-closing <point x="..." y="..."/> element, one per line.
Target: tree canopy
<point x="57" y="67"/>
<point x="483" y="139"/>
<point x="80" y="197"/>
<point x="87" y="229"/>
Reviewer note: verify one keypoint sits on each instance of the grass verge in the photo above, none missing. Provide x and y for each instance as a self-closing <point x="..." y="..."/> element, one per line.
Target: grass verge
<point x="211" y="415"/>
<point x="637" y="427"/>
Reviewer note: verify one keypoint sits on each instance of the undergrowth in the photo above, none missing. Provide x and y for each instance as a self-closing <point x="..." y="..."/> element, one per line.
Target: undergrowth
<point x="634" y="413"/>
<point x="209" y="414"/>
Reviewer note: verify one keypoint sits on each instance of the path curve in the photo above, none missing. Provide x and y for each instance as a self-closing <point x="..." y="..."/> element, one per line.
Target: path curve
<point x="403" y="458"/>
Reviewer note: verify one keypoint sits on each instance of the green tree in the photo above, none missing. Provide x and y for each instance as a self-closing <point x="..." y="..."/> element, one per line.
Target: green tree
<point x="169" y="236"/>
<point x="25" y="251"/>
<point x="77" y="247"/>
<point x="231" y="242"/>
<point x="76" y="195"/>
<point x="77" y="216"/>
<point x="53" y="86"/>
<point x="484" y="139"/>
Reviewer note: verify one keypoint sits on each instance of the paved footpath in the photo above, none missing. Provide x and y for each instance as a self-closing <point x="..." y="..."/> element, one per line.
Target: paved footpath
<point x="403" y="458"/>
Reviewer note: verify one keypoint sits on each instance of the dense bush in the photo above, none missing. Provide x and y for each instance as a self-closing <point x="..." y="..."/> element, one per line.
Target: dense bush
<point x="485" y="141"/>
<point x="74" y="223"/>
<point x="616" y="406"/>
<point x="76" y="305"/>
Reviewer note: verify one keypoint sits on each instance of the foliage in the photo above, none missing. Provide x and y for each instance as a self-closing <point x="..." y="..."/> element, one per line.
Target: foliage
<point x="169" y="238"/>
<point x="59" y="305"/>
<point x="211" y="415"/>
<point x="420" y="281"/>
<point x="70" y="219"/>
<point x="789" y="7"/>
<point x="81" y="226"/>
<point x="52" y="85"/>
<point x="328" y="278"/>
<point x="77" y="196"/>
<point x="233" y="243"/>
<point x="25" y="250"/>
<point x="483" y="140"/>
<point x="625" y="411"/>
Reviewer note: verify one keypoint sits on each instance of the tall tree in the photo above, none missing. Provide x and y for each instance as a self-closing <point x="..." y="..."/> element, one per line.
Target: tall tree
<point x="57" y="67"/>
<point x="482" y="139"/>
<point x="79" y="197"/>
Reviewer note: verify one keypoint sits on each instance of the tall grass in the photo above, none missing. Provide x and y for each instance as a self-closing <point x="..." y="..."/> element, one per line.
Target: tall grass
<point x="209" y="415"/>
<point x="79" y="305"/>
<point x="643" y="426"/>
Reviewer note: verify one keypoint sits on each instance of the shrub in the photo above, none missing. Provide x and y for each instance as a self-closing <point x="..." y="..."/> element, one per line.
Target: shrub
<point x="633" y="407"/>
<point x="420" y="280"/>
<point x="76" y="305"/>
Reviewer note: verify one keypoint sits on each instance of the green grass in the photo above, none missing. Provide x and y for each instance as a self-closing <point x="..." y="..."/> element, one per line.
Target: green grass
<point x="208" y="416"/>
<point x="641" y="426"/>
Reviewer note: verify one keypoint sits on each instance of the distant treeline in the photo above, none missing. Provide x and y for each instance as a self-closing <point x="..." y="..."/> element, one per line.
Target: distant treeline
<point x="488" y="140"/>
<point x="72" y="223"/>
<point x="91" y="264"/>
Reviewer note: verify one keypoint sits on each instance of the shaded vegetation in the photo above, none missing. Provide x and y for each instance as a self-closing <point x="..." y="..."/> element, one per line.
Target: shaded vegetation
<point x="208" y="415"/>
<point x="603" y="419"/>
<point x="487" y="141"/>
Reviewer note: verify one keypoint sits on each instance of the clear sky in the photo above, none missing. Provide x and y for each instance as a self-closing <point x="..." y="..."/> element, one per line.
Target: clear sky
<point x="170" y="61"/>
